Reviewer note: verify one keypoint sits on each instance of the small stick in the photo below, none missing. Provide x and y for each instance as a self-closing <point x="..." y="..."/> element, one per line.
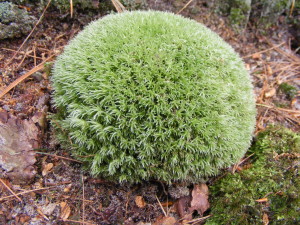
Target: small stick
<point x="194" y="221"/>
<point x="23" y="77"/>
<point x="25" y="192"/>
<point x="34" y="54"/>
<point x="162" y="208"/>
<point x="40" y="19"/>
<point x="71" y="8"/>
<point x="58" y="156"/>
<point x="11" y="191"/>
<point x="276" y="46"/>
<point x="118" y="5"/>
<point x="11" y="50"/>
<point x="186" y="5"/>
<point x="280" y="109"/>
<point x="74" y="221"/>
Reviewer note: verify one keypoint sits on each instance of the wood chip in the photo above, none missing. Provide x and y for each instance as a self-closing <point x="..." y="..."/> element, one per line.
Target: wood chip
<point x="262" y="200"/>
<point x="47" y="168"/>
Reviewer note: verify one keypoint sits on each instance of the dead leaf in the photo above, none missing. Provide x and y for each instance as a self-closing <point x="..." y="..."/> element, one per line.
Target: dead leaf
<point x="269" y="70"/>
<point x="262" y="200"/>
<point x="65" y="210"/>
<point x="270" y="93"/>
<point x="19" y="138"/>
<point x="140" y="202"/>
<point x="199" y="199"/>
<point x="47" y="168"/>
<point x="265" y="219"/>
<point x="165" y="221"/>
<point x="182" y="207"/>
<point x="256" y="55"/>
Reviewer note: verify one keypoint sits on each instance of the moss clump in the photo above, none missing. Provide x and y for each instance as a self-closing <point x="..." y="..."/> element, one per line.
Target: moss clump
<point x="289" y="90"/>
<point x="152" y="95"/>
<point x="273" y="173"/>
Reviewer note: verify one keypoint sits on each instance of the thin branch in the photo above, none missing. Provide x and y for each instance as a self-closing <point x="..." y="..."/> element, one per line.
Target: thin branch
<point x="186" y="5"/>
<point x="83" y="200"/>
<point x="276" y="46"/>
<point x="11" y="191"/>
<point x="61" y="157"/>
<point x="23" y="77"/>
<point x="118" y="5"/>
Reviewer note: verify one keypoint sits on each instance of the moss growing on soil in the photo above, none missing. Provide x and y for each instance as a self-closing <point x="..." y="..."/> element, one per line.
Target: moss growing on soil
<point x="289" y="90"/>
<point x="273" y="174"/>
<point x="152" y="95"/>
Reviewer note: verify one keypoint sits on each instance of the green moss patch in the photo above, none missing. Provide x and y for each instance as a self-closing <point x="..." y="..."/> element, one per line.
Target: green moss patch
<point x="152" y="95"/>
<point x="273" y="174"/>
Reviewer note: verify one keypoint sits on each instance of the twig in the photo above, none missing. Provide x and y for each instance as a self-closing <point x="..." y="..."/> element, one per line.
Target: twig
<point x="23" y="77"/>
<point x="194" y="221"/>
<point x="118" y="5"/>
<point x="25" y="192"/>
<point x="83" y="200"/>
<point x="162" y="208"/>
<point x="11" y="191"/>
<point x="280" y="109"/>
<point x="247" y="56"/>
<point x="74" y="160"/>
<point x="7" y="49"/>
<point x="186" y="5"/>
<point x="74" y="221"/>
<point x="71" y="8"/>
<point x="40" y="19"/>
<point x="239" y="163"/>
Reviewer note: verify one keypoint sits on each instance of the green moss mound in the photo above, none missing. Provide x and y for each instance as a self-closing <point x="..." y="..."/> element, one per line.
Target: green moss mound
<point x="152" y="95"/>
<point x="274" y="174"/>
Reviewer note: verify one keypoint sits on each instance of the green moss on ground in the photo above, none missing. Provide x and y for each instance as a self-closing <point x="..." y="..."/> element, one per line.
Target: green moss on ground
<point x="152" y="95"/>
<point x="289" y="90"/>
<point x="273" y="174"/>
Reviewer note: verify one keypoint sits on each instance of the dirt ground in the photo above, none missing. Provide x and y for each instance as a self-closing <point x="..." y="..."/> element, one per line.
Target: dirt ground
<point x="59" y="192"/>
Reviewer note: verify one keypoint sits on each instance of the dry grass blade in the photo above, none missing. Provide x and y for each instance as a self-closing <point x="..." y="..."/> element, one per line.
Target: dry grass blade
<point x="162" y="208"/>
<point x="118" y="5"/>
<point x="37" y="23"/>
<point x="247" y="56"/>
<point x="186" y="5"/>
<point x="23" y="77"/>
<point x="11" y="191"/>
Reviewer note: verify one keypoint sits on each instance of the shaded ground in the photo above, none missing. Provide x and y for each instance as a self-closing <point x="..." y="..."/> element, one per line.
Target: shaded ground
<point x="60" y="192"/>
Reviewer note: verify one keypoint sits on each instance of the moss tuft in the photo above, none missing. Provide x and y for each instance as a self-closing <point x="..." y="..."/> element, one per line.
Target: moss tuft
<point x="289" y="90"/>
<point x="152" y="95"/>
<point x="273" y="173"/>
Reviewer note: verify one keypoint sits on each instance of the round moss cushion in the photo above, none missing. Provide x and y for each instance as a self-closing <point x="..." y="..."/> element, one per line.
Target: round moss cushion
<point x="152" y="95"/>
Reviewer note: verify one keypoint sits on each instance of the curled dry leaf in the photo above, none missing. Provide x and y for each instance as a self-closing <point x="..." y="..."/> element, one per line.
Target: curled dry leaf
<point x="65" y="210"/>
<point x="199" y="199"/>
<point x="270" y="93"/>
<point x="47" y="168"/>
<point x="140" y="202"/>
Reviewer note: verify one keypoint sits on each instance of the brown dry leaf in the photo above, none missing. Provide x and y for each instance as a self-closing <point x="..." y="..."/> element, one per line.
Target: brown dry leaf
<point x="47" y="168"/>
<point x="199" y="199"/>
<point x="262" y="200"/>
<point x="270" y="93"/>
<point x="65" y="210"/>
<point x="140" y="202"/>
<point x="256" y="56"/>
<point x="19" y="138"/>
<point x="165" y="221"/>
<point x="265" y="219"/>
<point x="269" y="70"/>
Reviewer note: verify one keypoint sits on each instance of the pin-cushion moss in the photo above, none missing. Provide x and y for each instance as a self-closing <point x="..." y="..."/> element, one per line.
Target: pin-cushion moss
<point x="152" y="95"/>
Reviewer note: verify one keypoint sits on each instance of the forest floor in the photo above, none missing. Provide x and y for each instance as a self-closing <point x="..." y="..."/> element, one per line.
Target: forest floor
<point x="59" y="192"/>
